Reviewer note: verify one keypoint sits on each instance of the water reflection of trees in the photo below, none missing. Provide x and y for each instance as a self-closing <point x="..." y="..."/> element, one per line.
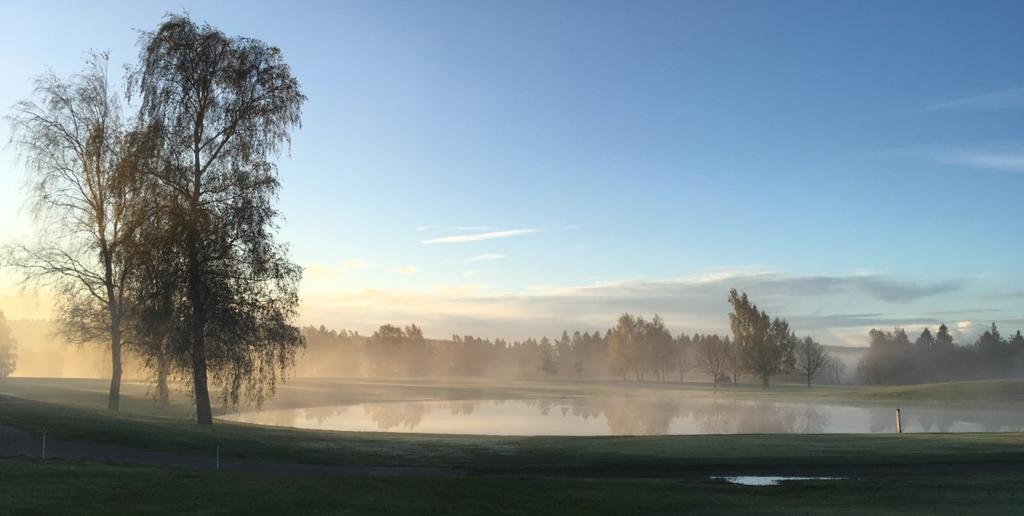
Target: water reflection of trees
<point x="631" y="416"/>
<point x="628" y="415"/>
<point x="745" y="417"/>
<point x="812" y="420"/>
<point x="321" y="414"/>
<point x="660" y="416"/>
<point x="715" y="417"/>
<point x="931" y="420"/>
<point x="387" y="416"/>
<point x="462" y="408"/>
<point x="656" y="416"/>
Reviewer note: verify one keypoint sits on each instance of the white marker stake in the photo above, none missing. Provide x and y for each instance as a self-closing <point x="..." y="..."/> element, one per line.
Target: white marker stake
<point x="899" y="427"/>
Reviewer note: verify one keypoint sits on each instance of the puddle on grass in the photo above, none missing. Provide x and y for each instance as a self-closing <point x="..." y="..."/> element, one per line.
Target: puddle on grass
<point x="767" y="480"/>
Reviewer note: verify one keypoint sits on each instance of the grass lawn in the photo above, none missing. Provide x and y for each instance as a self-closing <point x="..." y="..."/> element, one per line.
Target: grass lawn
<point x="70" y="487"/>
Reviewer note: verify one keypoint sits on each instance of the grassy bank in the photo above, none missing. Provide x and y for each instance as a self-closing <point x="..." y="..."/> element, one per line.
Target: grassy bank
<point x="315" y="392"/>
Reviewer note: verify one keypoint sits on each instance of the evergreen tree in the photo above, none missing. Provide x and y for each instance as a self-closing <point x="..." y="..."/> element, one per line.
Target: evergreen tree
<point x="548" y="360"/>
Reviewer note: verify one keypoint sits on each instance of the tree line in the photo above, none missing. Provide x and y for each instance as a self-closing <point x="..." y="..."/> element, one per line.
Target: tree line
<point x="634" y="349"/>
<point x="154" y="204"/>
<point x="893" y="359"/>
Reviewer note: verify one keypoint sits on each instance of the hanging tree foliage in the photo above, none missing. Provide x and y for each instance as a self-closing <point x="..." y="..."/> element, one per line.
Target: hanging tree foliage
<point x="222" y="108"/>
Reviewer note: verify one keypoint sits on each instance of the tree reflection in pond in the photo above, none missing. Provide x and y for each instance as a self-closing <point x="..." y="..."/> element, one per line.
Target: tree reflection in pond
<point x="623" y="415"/>
<point x="405" y="415"/>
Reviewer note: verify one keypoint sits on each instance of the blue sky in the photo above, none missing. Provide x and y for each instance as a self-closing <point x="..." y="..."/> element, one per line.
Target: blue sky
<point x="852" y="165"/>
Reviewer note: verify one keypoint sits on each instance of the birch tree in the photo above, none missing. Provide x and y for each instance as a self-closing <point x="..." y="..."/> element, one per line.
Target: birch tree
<point x="71" y="136"/>
<point x="223" y="107"/>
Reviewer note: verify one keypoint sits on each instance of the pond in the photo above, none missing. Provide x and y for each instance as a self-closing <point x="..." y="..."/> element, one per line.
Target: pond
<point x="631" y="416"/>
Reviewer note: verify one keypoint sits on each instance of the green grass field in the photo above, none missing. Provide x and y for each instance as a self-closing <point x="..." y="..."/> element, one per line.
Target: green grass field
<point x="505" y="471"/>
<point x="68" y="487"/>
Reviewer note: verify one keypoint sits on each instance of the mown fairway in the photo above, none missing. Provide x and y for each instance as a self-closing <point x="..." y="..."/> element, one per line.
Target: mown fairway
<point x="68" y="487"/>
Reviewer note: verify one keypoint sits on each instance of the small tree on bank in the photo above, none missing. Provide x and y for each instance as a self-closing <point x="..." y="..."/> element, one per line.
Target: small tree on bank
<point x="811" y="359"/>
<point x="713" y="355"/>
<point x="683" y="355"/>
<point x="623" y="345"/>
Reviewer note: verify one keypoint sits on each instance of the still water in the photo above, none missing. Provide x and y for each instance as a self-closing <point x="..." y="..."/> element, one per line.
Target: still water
<point x="631" y="416"/>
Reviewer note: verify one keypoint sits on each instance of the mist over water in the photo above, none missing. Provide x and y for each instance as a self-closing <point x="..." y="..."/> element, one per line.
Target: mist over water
<point x="630" y="416"/>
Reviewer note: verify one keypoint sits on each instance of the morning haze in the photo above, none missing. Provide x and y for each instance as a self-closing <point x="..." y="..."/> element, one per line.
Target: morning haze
<point x="310" y="254"/>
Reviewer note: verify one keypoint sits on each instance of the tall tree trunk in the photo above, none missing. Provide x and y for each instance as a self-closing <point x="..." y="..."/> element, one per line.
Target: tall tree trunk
<point x="114" y="397"/>
<point x="163" y="391"/>
<point x="114" y="309"/>
<point x="204" y="416"/>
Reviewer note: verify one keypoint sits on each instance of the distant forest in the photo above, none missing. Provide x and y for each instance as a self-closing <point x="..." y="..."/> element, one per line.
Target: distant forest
<point x="645" y="350"/>
<point x="633" y="349"/>
<point x="893" y="359"/>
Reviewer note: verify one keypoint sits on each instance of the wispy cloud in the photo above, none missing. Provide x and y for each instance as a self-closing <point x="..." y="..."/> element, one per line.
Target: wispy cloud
<point x="897" y="291"/>
<point x="474" y="237"/>
<point x="996" y="100"/>
<point x="407" y="270"/>
<point x="1007" y="295"/>
<point x="473" y="228"/>
<point x="425" y="228"/>
<point x="770" y="285"/>
<point x="996" y="156"/>
<point x="857" y="320"/>
<point x="485" y="257"/>
<point x="1010" y="161"/>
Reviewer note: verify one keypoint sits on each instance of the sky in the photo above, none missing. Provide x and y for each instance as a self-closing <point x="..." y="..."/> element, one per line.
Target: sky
<point x="512" y="169"/>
